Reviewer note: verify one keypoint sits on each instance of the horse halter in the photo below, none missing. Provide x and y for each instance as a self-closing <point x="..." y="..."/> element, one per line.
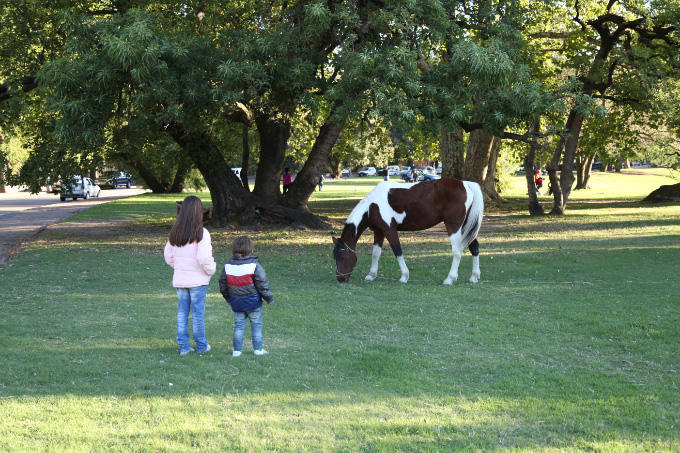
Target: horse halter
<point x="346" y="247"/>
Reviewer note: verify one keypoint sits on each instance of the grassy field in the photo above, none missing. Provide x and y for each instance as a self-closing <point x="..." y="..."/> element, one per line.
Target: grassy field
<point x="571" y="342"/>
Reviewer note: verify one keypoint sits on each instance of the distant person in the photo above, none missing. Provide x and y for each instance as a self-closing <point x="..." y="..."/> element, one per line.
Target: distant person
<point x="414" y="175"/>
<point x="538" y="180"/>
<point x="287" y="179"/>
<point x="189" y="252"/>
<point x="321" y="180"/>
<point x="244" y="285"/>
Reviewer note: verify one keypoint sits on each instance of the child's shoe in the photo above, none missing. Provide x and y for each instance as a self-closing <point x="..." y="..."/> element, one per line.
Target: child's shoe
<point x="260" y="352"/>
<point x="188" y="351"/>
<point x="205" y="350"/>
<point x="236" y="353"/>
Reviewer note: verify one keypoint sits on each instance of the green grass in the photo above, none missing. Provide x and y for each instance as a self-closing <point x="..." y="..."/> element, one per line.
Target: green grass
<point x="570" y="343"/>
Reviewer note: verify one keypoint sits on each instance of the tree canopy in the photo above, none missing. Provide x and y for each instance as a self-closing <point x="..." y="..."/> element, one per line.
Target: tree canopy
<point x="163" y="87"/>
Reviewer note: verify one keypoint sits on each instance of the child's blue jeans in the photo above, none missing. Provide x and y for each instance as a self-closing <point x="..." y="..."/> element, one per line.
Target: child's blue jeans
<point x="191" y="300"/>
<point x="255" y="328"/>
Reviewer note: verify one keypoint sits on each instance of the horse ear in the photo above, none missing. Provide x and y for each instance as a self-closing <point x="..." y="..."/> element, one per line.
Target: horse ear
<point x="335" y="240"/>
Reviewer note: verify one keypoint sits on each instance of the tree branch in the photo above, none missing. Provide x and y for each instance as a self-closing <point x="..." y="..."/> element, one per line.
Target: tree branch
<point x="577" y="18"/>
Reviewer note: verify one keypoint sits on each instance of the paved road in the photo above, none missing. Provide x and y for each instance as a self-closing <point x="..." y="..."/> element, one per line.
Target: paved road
<point x="22" y="215"/>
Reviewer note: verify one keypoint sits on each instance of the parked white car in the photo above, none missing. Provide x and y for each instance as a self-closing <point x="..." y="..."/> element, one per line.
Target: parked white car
<point x="79" y="188"/>
<point x="368" y="171"/>
<point x="439" y="169"/>
<point x="394" y="170"/>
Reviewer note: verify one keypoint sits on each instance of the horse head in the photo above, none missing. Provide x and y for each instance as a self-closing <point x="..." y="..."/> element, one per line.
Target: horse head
<point x="345" y="260"/>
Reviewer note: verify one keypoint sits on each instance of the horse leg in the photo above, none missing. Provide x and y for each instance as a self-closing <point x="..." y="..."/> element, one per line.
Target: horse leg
<point x="393" y="239"/>
<point x="476" y="273"/>
<point x="378" y="239"/>
<point x="455" y="239"/>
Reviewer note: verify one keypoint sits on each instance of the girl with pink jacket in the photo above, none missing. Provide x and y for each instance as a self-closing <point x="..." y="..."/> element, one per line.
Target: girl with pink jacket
<point x="189" y="253"/>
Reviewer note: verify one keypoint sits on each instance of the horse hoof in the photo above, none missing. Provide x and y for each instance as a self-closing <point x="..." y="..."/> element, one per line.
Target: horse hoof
<point x="447" y="282"/>
<point x="370" y="278"/>
<point x="403" y="280"/>
<point x="474" y="279"/>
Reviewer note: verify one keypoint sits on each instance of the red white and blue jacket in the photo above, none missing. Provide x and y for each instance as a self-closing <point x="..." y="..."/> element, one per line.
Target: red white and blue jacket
<point x="244" y="284"/>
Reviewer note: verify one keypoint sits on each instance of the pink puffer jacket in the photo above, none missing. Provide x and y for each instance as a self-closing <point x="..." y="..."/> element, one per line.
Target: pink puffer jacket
<point x="193" y="263"/>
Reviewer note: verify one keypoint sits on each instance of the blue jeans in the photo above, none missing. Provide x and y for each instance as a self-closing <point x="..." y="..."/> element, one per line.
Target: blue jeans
<point x="191" y="300"/>
<point x="255" y="328"/>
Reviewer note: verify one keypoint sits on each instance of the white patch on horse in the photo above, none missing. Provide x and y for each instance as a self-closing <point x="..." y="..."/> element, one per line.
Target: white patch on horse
<point x="378" y="196"/>
<point x="377" y="250"/>
<point x="468" y="194"/>
<point x="404" y="269"/>
<point x="476" y="273"/>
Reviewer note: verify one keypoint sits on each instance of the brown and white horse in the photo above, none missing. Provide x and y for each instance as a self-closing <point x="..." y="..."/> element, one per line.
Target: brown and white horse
<point x="395" y="206"/>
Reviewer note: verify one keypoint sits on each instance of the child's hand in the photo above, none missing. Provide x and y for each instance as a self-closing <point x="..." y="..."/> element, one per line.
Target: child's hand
<point x="270" y="302"/>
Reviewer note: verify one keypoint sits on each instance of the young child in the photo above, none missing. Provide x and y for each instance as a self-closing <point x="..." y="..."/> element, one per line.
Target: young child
<point x="287" y="179"/>
<point x="189" y="253"/>
<point x="538" y="180"/>
<point x="243" y="284"/>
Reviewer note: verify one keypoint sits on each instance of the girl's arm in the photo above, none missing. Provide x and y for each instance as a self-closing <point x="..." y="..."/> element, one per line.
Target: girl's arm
<point x="169" y="257"/>
<point x="204" y="254"/>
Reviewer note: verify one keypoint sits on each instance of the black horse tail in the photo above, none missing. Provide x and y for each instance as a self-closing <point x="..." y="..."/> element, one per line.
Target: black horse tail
<point x="473" y="221"/>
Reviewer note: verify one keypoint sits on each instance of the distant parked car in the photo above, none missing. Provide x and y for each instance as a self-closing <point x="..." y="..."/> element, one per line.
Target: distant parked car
<point x="392" y="170"/>
<point x="346" y="173"/>
<point x="439" y="169"/>
<point x="79" y="188"/>
<point x="121" y="179"/>
<point x="107" y="179"/>
<point x="368" y="171"/>
<point x="425" y="176"/>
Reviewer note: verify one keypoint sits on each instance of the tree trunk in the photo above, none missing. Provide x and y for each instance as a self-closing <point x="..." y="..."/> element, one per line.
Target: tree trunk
<point x="567" y="173"/>
<point x="478" y="156"/>
<point x="535" y="207"/>
<point x="561" y="186"/>
<point x="231" y="202"/>
<point x="335" y="168"/>
<point x="150" y="179"/>
<point x="2" y="168"/>
<point x="274" y="135"/>
<point x="177" y="185"/>
<point x="489" y="184"/>
<point x="452" y="153"/>
<point x="245" y="158"/>
<point x="584" y="167"/>
<point x="306" y="181"/>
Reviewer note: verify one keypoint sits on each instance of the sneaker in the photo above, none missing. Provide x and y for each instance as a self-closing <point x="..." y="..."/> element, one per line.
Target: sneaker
<point x="236" y="353"/>
<point x="260" y="352"/>
<point x="189" y="351"/>
<point x="205" y="350"/>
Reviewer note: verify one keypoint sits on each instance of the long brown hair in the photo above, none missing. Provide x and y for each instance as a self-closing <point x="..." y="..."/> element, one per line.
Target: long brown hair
<point x="188" y="227"/>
